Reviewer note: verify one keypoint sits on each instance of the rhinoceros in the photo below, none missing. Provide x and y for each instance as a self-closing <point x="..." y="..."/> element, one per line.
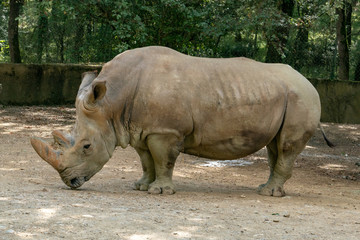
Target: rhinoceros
<point x="163" y="103"/>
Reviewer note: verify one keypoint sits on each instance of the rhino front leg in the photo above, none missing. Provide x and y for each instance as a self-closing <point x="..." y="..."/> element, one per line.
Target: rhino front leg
<point x="148" y="167"/>
<point x="164" y="151"/>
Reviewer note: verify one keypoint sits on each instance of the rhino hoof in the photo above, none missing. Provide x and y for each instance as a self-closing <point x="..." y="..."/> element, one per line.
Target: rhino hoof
<point x="156" y="189"/>
<point x="141" y="186"/>
<point x="267" y="190"/>
<point x="168" y="190"/>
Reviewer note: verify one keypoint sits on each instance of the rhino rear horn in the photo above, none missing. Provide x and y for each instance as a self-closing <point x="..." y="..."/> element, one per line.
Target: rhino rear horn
<point x="63" y="139"/>
<point x="46" y="152"/>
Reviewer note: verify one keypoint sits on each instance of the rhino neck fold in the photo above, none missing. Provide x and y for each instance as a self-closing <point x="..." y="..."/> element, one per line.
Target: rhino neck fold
<point x="121" y="133"/>
<point x="121" y="98"/>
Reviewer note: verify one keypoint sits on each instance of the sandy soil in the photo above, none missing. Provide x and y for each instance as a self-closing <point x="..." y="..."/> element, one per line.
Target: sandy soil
<point x="212" y="202"/>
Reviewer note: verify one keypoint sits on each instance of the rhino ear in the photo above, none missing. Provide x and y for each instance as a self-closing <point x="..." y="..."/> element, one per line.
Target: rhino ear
<point x="87" y="79"/>
<point x="97" y="93"/>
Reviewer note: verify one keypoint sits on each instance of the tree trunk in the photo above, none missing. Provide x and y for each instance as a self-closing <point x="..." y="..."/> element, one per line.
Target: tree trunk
<point x="41" y="33"/>
<point x="277" y="45"/>
<point x="301" y="47"/>
<point x="357" y="70"/>
<point x="343" y="36"/>
<point x="79" y="34"/>
<point x="61" y="45"/>
<point x="13" y="30"/>
<point x="274" y="50"/>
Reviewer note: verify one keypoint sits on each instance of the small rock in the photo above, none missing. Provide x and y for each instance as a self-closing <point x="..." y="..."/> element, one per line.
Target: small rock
<point x="76" y="205"/>
<point x="357" y="164"/>
<point x="87" y="216"/>
<point x="349" y="178"/>
<point x="158" y="221"/>
<point x="10" y="231"/>
<point x="286" y="215"/>
<point x="276" y="220"/>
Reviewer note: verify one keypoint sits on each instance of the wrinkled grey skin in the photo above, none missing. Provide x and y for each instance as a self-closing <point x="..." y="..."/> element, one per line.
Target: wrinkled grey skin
<point x="162" y="102"/>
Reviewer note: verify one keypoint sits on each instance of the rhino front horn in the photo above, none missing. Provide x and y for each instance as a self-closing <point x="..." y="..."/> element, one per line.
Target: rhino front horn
<point x="46" y="152"/>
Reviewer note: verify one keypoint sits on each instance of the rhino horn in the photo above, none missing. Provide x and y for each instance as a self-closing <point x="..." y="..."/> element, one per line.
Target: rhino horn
<point x="48" y="153"/>
<point x="63" y="139"/>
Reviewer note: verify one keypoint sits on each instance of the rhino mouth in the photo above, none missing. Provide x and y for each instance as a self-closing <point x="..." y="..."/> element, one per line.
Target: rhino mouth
<point x="77" y="182"/>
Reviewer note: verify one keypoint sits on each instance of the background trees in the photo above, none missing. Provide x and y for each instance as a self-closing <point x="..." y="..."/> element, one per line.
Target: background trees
<point x="13" y="30"/>
<point x="343" y="34"/>
<point x="320" y="38"/>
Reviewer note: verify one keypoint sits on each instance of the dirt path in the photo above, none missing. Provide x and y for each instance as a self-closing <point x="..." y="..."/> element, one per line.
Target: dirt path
<point x="322" y="202"/>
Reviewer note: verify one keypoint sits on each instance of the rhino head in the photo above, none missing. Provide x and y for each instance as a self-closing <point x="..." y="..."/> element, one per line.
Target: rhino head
<point x="78" y="155"/>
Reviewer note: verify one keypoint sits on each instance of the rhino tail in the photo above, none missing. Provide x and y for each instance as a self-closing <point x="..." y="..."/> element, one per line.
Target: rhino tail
<point x="328" y="142"/>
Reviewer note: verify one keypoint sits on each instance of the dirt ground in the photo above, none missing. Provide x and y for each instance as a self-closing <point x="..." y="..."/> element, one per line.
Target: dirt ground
<point x="213" y="201"/>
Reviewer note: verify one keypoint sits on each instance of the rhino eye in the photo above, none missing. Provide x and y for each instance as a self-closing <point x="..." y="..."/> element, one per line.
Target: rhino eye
<point x="87" y="146"/>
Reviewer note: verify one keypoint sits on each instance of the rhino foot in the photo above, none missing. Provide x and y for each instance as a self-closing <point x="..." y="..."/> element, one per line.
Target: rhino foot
<point x="141" y="186"/>
<point x="143" y="183"/>
<point x="271" y="190"/>
<point x="160" y="187"/>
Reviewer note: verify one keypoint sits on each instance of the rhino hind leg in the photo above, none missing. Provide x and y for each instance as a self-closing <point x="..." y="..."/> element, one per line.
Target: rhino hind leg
<point x="164" y="151"/>
<point x="148" y="167"/>
<point x="301" y="118"/>
<point x="282" y="152"/>
<point x="280" y="171"/>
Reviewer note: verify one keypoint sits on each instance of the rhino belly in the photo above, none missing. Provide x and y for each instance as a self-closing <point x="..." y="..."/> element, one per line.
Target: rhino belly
<point x="246" y="143"/>
<point x="232" y="134"/>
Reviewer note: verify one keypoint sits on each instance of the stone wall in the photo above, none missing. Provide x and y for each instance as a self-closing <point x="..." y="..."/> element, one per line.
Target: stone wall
<point x="340" y="101"/>
<point x="56" y="84"/>
<point x="33" y="84"/>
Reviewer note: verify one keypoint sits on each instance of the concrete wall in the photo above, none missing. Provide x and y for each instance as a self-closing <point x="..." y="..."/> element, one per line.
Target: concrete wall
<point x="340" y="101"/>
<point x="33" y="84"/>
<point x="56" y="84"/>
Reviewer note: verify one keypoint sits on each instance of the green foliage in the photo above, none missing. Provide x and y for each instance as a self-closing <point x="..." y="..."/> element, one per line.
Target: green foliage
<point x="301" y="33"/>
<point x="4" y="51"/>
<point x="4" y="46"/>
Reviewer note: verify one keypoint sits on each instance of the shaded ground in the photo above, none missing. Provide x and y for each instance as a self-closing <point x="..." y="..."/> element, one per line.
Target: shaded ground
<point x="322" y="202"/>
